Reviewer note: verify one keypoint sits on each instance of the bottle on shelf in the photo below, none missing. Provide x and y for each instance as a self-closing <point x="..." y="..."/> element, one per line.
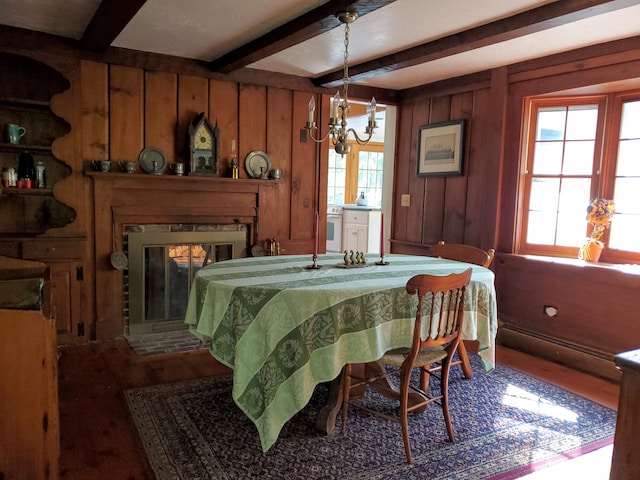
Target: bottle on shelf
<point x="26" y="166"/>
<point x="41" y="178"/>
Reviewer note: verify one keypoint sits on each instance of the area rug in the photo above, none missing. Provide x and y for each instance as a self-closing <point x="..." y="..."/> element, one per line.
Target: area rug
<point x="506" y="424"/>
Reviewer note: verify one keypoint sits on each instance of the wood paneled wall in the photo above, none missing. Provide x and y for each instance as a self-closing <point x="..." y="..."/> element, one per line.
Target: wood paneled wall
<point x="457" y="209"/>
<point x="479" y="208"/>
<point x="117" y="110"/>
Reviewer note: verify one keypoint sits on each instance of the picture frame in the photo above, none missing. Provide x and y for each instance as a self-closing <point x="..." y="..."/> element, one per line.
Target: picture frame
<point x="441" y="149"/>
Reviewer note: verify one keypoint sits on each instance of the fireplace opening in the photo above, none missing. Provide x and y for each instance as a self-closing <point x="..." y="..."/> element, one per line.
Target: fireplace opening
<point x="162" y="266"/>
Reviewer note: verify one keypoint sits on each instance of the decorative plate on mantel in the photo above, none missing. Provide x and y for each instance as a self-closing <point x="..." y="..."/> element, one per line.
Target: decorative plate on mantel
<point x="258" y="164"/>
<point x="153" y="160"/>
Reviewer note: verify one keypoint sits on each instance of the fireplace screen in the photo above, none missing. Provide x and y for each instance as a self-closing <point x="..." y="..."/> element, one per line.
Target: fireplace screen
<point x="161" y="269"/>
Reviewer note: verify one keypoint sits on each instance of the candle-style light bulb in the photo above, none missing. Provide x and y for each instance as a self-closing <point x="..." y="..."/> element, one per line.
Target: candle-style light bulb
<point x="336" y="104"/>
<point x="371" y="110"/>
<point x="312" y="109"/>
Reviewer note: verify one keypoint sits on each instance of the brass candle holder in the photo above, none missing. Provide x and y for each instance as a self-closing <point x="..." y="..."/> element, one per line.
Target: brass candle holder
<point x="314" y="265"/>
<point x="381" y="261"/>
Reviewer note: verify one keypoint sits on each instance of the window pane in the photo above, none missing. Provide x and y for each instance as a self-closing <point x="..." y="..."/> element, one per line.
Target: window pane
<point x="544" y="194"/>
<point x="541" y="228"/>
<point x="627" y="196"/>
<point x="628" y="158"/>
<point x="574" y="196"/>
<point x="625" y="232"/>
<point x="547" y="158"/>
<point x="578" y="158"/>
<point x="572" y="230"/>
<point x="337" y="178"/>
<point x="572" y="226"/>
<point x="581" y="122"/>
<point x="550" y="124"/>
<point x="370" y="176"/>
<point x="630" y="120"/>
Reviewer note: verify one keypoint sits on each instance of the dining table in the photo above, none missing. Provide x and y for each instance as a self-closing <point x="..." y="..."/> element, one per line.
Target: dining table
<point x="284" y="327"/>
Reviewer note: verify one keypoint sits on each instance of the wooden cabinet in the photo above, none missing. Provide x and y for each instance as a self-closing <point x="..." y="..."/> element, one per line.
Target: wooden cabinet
<point x="361" y="230"/>
<point x="26" y="88"/>
<point x="29" y="430"/>
<point x="63" y="256"/>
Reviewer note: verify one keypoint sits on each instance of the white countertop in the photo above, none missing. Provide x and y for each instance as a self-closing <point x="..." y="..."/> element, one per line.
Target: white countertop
<point x="359" y="207"/>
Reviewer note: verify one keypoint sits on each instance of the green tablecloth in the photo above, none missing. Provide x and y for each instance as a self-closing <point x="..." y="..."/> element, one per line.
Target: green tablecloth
<point x="283" y="328"/>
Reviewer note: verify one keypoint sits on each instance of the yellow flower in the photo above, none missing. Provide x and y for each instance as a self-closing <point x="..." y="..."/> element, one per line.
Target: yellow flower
<point x="599" y="214"/>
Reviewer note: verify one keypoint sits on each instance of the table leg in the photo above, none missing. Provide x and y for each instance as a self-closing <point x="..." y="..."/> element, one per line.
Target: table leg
<point x="326" y="421"/>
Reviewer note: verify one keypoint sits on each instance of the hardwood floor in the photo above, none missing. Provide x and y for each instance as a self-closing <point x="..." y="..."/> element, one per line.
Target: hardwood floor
<point x="98" y="441"/>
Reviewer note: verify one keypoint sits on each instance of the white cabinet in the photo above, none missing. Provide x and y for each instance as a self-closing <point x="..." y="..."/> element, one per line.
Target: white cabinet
<point x="361" y="230"/>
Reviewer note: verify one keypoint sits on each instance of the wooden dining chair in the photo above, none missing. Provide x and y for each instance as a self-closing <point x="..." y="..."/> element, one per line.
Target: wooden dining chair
<point x="469" y="254"/>
<point x="463" y="253"/>
<point x="441" y="302"/>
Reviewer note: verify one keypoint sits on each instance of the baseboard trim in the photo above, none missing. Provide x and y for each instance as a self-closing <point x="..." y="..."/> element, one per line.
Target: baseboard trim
<point x="578" y="358"/>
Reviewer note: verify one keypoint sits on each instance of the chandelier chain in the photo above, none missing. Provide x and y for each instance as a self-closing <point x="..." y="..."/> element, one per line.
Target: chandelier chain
<point x="339" y="131"/>
<point x="346" y="62"/>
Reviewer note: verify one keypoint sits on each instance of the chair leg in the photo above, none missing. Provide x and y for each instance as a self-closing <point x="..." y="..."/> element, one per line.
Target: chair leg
<point x="346" y="387"/>
<point x="425" y="376"/>
<point x="464" y="359"/>
<point x="444" y="389"/>
<point x="405" y="378"/>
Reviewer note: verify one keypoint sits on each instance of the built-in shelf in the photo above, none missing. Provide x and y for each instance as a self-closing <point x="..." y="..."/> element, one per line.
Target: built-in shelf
<point x="26" y="191"/>
<point x="12" y="147"/>
<point x="197" y="178"/>
<point x="22" y="102"/>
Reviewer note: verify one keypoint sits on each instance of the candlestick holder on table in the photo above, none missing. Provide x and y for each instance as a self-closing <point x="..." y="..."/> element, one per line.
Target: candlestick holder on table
<point x="314" y="265"/>
<point x="381" y="261"/>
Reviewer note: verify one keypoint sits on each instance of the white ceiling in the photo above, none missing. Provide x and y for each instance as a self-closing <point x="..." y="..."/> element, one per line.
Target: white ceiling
<point x="206" y="29"/>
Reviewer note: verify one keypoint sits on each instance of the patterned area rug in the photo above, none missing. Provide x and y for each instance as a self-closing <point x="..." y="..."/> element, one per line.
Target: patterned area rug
<point x="506" y="423"/>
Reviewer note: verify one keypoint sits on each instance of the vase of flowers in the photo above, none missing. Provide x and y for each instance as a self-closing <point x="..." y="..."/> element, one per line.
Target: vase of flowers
<point x="599" y="214"/>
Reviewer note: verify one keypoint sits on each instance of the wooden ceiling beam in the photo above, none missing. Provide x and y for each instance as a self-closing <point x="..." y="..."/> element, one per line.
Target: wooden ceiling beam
<point x="532" y="21"/>
<point x="306" y="26"/>
<point x="111" y="17"/>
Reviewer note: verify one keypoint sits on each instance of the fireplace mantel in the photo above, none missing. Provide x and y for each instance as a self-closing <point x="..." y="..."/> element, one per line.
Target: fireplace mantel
<point x="122" y="199"/>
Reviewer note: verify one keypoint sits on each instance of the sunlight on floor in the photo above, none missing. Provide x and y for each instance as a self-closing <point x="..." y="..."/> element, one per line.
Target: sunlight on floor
<point x="591" y="466"/>
<point x="522" y="399"/>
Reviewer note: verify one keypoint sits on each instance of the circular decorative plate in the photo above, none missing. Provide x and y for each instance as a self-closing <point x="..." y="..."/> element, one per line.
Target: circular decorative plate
<point x="257" y="164"/>
<point x="257" y="251"/>
<point x="153" y="160"/>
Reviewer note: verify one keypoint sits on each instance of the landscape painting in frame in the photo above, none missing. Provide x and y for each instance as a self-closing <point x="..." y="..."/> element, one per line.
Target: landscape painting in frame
<point x="441" y="149"/>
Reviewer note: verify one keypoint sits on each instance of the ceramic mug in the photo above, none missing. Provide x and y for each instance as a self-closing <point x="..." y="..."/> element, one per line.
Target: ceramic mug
<point x="178" y="168"/>
<point x="128" y="167"/>
<point x="15" y="133"/>
<point x="102" y="165"/>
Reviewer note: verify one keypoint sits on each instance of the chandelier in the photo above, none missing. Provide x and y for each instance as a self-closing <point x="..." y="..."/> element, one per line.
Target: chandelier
<point x="338" y="131"/>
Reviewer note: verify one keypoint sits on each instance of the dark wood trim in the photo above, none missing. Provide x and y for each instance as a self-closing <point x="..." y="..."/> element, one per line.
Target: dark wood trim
<point x="62" y="53"/>
<point x="532" y="21"/>
<point x="573" y="356"/>
<point x="111" y="17"/>
<point x="306" y="26"/>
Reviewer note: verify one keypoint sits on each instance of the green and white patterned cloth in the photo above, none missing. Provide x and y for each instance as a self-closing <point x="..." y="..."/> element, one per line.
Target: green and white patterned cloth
<point x="283" y="328"/>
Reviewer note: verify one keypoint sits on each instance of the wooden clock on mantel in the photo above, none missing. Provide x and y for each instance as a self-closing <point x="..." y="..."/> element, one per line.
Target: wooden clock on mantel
<point x="203" y="144"/>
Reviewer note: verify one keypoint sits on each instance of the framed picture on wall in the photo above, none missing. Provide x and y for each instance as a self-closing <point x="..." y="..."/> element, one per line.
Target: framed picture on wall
<point x="441" y="149"/>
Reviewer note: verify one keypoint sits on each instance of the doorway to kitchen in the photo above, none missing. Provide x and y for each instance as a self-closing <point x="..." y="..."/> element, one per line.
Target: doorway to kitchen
<point x="366" y="171"/>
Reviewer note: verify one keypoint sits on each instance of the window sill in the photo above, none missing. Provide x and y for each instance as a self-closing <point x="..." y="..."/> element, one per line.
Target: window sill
<point x="626" y="268"/>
